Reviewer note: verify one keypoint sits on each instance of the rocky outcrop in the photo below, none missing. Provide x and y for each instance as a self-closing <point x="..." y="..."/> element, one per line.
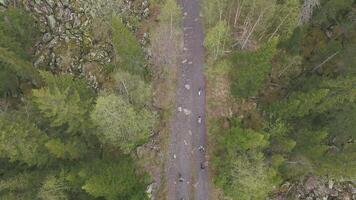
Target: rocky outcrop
<point x="69" y="42"/>
<point x="315" y="188"/>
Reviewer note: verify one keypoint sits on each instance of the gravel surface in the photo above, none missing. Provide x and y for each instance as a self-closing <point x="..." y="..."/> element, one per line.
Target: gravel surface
<point x="186" y="178"/>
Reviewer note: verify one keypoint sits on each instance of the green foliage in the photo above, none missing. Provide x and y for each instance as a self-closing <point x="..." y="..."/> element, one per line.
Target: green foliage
<point x="65" y="101"/>
<point x="10" y="62"/>
<point x="300" y="104"/>
<point x="72" y="150"/>
<point x="120" y="124"/>
<point x="47" y="140"/>
<point x="129" y="54"/>
<point x="22" y="141"/>
<point x="133" y="89"/>
<point x="22" y="186"/>
<point x="9" y="82"/>
<point x="114" y="180"/>
<point x="18" y="32"/>
<point x="251" y="179"/>
<point x="53" y="188"/>
<point x="213" y="11"/>
<point x="332" y="11"/>
<point x="332" y="94"/>
<point x="246" y="139"/>
<point x="285" y="19"/>
<point x="307" y="101"/>
<point x="217" y="39"/>
<point x="280" y="143"/>
<point x="242" y="170"/>
<point x="170" y="13"/>
<point x="252" y="69"/>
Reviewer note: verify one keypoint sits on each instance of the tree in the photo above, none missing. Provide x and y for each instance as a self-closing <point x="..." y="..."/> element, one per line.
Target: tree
<point x="241" y="168"/>
<point x="251" y="179"/>
<point x="22" y="186"/>
<point x="285" y="19"/>
<point x="117" y="179"/>
<point x="120" y="124"/>
<point x="214" y="11"/>
<point x="170" y="14"/>
<point x="217" y="39"/>
<point x="252" y="69"/>
<point x="65" y="102"/>
<point x="22" y="141"/>
<point x="72" y="150"/>
<point x="280" y="142"/>
<point x="11" y="63"/>
<point x="53" y="188"/>
<point x="330" y="94"/>
<point x="18" y="32"/>
<point x="133" y="89"/>
<point x="128" y="51"/>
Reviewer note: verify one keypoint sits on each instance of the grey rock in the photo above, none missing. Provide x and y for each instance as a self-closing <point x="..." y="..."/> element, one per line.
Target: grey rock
<point x="51" y="21"/>
<point x="3" y="3"/>
<point x="47" y="37"/>
<point x="77" y="21"/>
<point x="311" y="183"/>
<point x="146" y="12"/>
<point x="39" y="61"/>
<point x="38" y="1"/>
<point x="65" y="3"/>
<point x="50" y="3"/>
<point x="53" y="43"/>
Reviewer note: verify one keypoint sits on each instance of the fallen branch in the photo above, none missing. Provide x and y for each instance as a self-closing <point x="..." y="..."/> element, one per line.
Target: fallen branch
<point x="325" y="61"/>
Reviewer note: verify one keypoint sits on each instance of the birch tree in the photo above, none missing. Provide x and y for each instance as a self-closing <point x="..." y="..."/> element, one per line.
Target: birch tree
<point x="120" y="124"/>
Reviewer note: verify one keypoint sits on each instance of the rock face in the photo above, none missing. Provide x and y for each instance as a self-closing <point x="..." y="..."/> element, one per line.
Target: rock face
<point x="69" y="41"/>
<point x="314" y="188"/>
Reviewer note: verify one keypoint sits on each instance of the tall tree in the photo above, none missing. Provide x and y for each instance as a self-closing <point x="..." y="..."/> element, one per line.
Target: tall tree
<point x="217" y="39"/>
<point x="129" y="54"/>
<point x="120" y="124"/>
<point x="22" y="141"/>
<point x="133" y="88"/>
<point x="65" y="102"/>
<point x="117" y="179"/>
<point x="18" y="32"/>
<point x="252" y="69"/>
<point x="53" y="188"/>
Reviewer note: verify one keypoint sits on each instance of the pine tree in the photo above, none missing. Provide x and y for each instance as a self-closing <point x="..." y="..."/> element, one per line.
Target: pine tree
<point x="18" y="32"/>
<point x="128" y="51"/>
<point x="65" y="102"/>
<point x="53" y="188"/>
<point x="22" y="141"/>
<point x="252" y="69"/>
<point x="116" y="179"/>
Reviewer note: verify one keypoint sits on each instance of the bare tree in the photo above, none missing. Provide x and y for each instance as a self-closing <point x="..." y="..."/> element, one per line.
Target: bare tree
<point x="307" y="10"/>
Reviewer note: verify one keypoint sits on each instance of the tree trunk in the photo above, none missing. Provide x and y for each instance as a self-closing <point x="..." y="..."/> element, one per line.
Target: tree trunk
<point x="252" y="30"/>
<point x="279" y="26"/>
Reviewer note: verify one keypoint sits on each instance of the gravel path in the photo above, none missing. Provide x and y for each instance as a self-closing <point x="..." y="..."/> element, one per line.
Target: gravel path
<point x="186" y="178"/>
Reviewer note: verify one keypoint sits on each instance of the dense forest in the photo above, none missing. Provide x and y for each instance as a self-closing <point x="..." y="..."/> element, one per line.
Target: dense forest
<point x="85" y="85"/>
<point x="75" y="100"/>
<point x="282" y="88"/>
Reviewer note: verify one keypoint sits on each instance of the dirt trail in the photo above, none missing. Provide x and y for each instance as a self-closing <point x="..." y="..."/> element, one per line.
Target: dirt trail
<point x="187" y="134"/>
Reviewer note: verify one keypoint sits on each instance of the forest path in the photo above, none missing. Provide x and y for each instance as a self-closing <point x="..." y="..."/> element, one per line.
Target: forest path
<point x="186" y="178"/>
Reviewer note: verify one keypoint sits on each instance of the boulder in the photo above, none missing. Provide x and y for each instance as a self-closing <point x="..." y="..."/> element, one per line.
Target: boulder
<point x="51" y="21"/>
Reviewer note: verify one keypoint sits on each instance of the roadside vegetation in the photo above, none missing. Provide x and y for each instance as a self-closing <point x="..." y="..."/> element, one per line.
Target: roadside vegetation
<point x="63" y="137"/>
<point x="281" y="94"/>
